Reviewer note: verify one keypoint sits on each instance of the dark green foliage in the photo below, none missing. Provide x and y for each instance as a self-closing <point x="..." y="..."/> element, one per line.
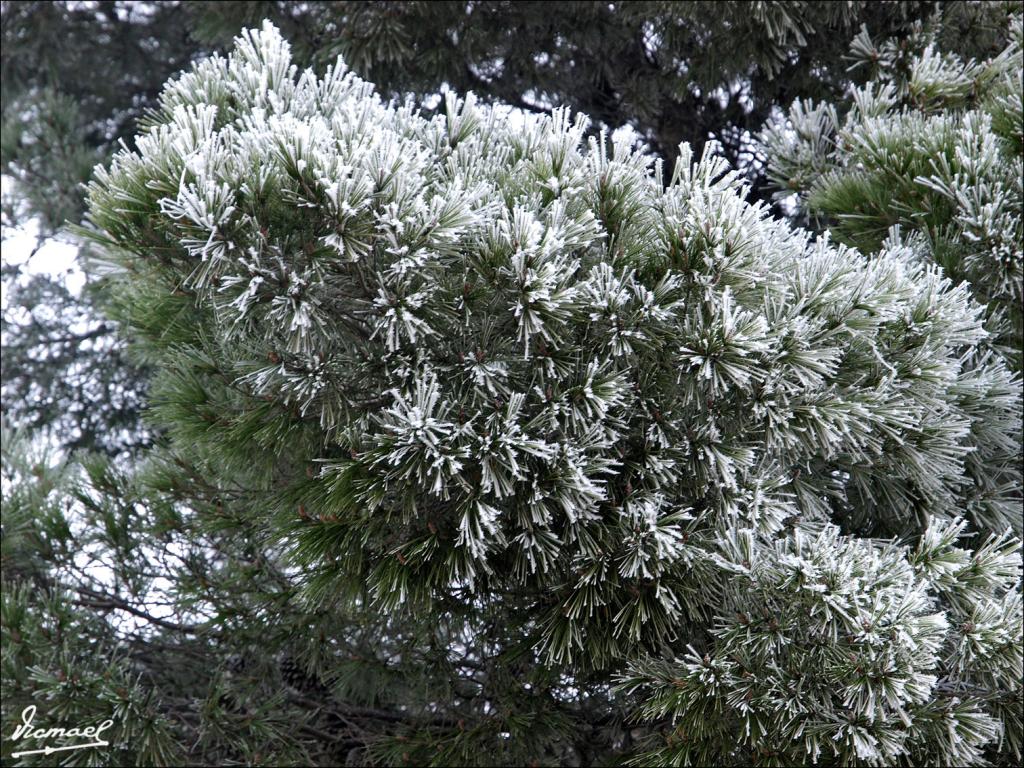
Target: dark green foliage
<point x="480" y="443"/>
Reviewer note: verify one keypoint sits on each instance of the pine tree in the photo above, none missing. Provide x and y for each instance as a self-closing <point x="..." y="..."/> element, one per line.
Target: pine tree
<point x="932" y="143"/>
<point x="467" y="419"/>
<point x="675" y="72"/>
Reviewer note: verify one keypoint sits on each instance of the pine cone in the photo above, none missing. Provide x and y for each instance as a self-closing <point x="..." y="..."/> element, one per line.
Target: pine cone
<point x="296" y="676"/>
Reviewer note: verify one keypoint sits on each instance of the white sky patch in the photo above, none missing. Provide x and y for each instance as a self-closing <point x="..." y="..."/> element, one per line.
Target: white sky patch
<point x="57" y="256"/>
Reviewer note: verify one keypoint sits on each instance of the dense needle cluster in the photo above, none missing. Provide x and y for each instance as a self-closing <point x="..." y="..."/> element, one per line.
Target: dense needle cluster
<point x="485" y="360"/>
<point x="933" y="143"/>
